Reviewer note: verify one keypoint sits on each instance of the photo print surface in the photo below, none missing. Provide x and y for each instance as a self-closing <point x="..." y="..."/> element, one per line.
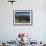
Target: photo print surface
<point x="22" y="16"/>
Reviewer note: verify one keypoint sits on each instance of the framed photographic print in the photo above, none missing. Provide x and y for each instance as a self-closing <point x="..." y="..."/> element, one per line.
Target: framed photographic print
<point x="22" y="17"/>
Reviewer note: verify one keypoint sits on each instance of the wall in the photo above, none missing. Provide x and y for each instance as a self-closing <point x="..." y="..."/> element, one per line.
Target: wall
<point x="8" y="31"/>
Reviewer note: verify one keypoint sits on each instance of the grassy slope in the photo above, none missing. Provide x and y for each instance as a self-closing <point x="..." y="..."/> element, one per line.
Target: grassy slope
<point x="22" y="19"/>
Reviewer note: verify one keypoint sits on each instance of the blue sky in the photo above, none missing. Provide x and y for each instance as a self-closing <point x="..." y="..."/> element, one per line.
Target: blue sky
<point x="22" y="13"/>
